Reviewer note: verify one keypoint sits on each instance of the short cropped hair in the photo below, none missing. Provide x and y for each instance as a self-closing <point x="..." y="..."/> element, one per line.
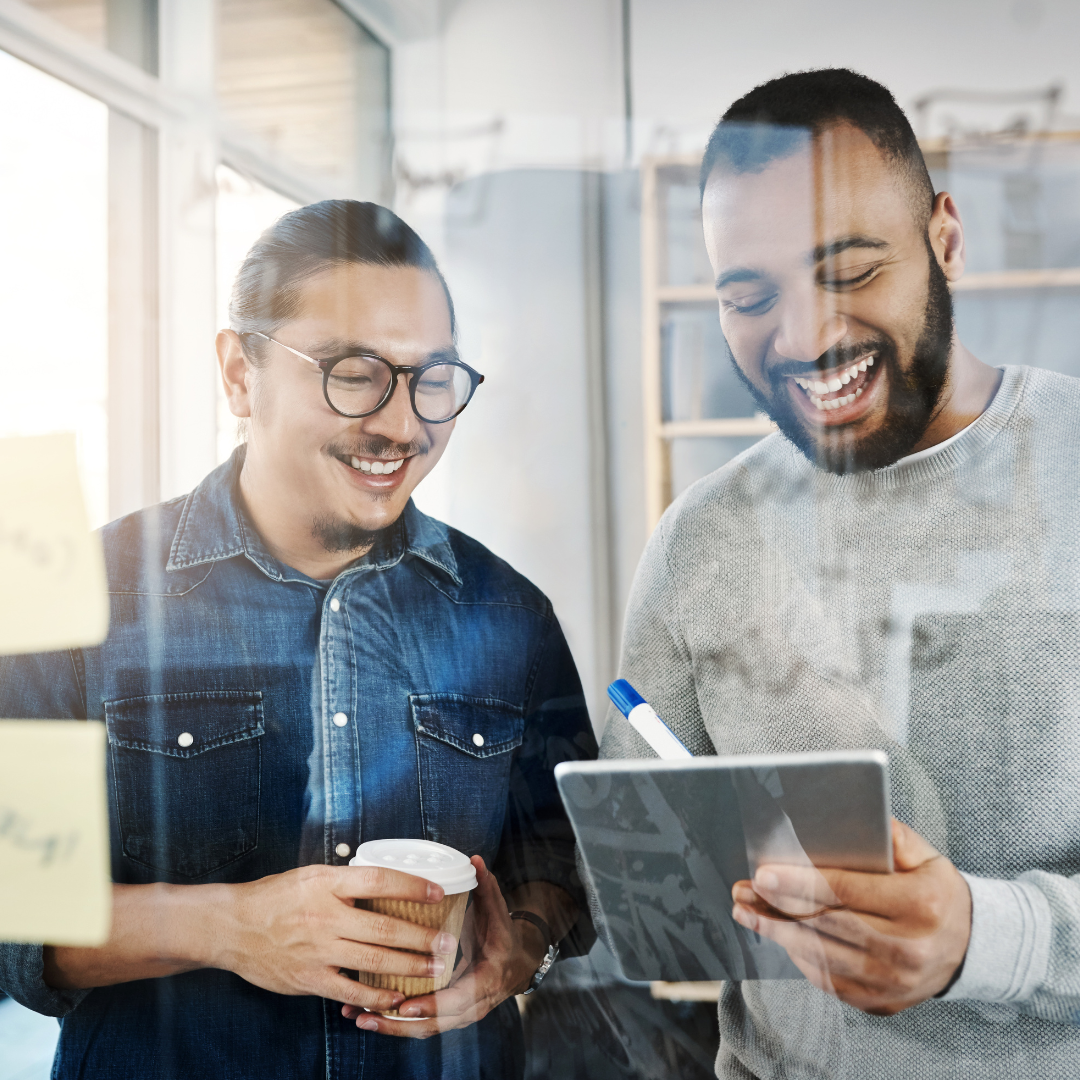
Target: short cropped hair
<point x="775" y="119"/>
<point x="314" y="238"/>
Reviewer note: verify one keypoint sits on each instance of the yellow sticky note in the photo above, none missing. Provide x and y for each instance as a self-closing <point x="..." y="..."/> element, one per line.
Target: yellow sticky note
<point x="54" y="833"/>
<point x="52" y="571"/>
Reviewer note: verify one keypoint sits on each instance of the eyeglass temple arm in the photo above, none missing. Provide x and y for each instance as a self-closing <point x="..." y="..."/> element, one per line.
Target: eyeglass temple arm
<point x="289" y="348"/>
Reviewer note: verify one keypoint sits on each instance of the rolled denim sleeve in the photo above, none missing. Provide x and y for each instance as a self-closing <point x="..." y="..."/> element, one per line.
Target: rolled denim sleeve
<point x="40" y="686"/>
<point x="538" y="841"/>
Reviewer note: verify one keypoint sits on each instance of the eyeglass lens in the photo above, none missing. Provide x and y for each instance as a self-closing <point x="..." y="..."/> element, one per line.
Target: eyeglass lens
<point x="358" y="384"/>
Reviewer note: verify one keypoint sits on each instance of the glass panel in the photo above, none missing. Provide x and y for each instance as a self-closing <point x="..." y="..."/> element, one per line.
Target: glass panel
<point x="244" y="208"/>
<point x="700" y="381"/>
<point x="311" y="84"/>
<point x="691" y="459"/>
<point x="85" y="17"/>
<point x="687" y="261"/>
<point x="128" y="28"/>
<point x="53" y="277"/>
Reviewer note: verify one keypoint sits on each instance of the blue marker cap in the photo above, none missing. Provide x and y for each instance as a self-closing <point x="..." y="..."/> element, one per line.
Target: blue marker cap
<point x="624" y="696"/>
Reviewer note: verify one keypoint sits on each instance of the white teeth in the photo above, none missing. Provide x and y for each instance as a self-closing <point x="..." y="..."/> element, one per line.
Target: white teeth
<point x="377" y="468"/>
<point x="858" y="392"/>
<point x="862" y="365"/>
<point x="869" y="361"/>
<point x="834" y="385"/>
<point x="819" y="387"/>
<point x="845" y="378"/>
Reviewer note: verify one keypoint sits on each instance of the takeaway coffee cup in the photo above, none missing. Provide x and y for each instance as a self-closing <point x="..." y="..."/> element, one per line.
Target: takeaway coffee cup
<point x="444" y="866"/>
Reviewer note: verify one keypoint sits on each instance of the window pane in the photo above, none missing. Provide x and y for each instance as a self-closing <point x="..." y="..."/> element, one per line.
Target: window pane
<point x="53" y="277"/>
<point x="85" y="17"/>
<point x="311" y="84"/>
<point x="244" y="209"/>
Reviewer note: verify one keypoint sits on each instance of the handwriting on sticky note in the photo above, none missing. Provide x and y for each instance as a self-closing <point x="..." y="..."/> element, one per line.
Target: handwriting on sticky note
<point x="52" y="572"/>
<point x="54" y="832"/>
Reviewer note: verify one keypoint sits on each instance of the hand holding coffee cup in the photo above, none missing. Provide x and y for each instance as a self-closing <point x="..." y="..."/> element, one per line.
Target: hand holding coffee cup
<point x="442" y="865"/>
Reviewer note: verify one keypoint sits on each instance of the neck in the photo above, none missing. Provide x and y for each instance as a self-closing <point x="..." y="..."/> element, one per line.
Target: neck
<point x="286" y="535"/>
<point x="968" y="391"/>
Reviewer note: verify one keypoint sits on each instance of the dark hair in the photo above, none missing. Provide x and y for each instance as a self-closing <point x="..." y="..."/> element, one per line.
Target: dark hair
<point x="776" y="118"/>
<point x="303" y="242"/>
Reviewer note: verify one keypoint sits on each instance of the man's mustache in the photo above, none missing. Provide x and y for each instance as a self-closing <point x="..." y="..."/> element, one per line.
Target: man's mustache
<point x="377" y="446"/>
<point x="837" y="356"/>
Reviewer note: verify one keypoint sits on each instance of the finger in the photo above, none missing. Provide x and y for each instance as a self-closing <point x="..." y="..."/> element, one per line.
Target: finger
<point x="839" y="922"/>
<point x="807" y="948"/>
<point x="910" y="850"/>
<point x="460" y="999"/>
<point x="338" y="987"/>
<point x="370" y="882"/>
<point x="376" y="928"/>
<point x="380" y="961"/>
<point x="797" y="890"/>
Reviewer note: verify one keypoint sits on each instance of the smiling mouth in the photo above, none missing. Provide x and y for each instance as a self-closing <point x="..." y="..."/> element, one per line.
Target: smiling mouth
<point x="375" y="468"/>
<point x="840" y="387"/>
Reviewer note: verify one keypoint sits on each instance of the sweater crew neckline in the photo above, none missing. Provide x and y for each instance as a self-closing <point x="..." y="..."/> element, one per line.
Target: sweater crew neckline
<point x="954" y="452"/>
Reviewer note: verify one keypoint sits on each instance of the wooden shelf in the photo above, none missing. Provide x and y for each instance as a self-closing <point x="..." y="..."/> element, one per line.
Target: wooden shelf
<point x="729" y="427"/>
<point x="1068" y="278"/>
<point x="685" y="991"/>
<point x="998" y="280"/>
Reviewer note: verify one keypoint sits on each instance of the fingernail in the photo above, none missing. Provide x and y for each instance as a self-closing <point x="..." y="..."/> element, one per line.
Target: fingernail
<point x="434" y="893"/>
<point x="410" y="1010"/>
<point x="398" y="999"/>
<point x="367" y="1025"/>
<point x="445" y="944"/>
<point x="436" y="965"/>
<point x="744" y="917"/>
<point x="766" y="879"/>
<point x="743" y="895"/>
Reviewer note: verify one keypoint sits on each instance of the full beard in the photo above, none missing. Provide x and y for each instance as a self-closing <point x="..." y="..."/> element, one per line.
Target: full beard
<point x="913" y="394"/>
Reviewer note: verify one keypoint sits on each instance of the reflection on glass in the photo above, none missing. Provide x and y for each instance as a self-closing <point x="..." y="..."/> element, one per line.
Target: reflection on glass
<point x="85" y="17"/>
<point x="244" y="208"/>
<point x="53" y="277"/>
<point x="311" y="84"/>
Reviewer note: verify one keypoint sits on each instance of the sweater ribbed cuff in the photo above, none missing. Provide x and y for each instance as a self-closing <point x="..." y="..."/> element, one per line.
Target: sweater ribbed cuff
<point x="1009" y="951"/>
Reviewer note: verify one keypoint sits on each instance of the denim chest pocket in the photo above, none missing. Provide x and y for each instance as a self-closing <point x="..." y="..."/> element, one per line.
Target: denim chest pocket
<point x="186" y="773"/>
<point x="464" y="747"/>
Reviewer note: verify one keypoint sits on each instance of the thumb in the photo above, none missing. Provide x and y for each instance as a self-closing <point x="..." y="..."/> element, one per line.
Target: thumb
<point x="910" y="850"/>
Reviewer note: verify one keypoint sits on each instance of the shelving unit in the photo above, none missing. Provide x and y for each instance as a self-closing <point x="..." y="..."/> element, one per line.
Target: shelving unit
<point x="674" y="280"/>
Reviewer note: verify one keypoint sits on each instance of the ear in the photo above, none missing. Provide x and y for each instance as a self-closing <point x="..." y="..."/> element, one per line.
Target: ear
<point x="236" y="373"/>
<point x="946" y="232"/>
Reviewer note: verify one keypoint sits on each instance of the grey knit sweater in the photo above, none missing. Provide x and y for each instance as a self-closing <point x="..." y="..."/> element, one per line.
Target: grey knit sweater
<point x="932" y="610"/>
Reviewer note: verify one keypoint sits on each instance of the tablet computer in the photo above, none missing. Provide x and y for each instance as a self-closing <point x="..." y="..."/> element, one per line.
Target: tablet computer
<point x="664" y="841"/>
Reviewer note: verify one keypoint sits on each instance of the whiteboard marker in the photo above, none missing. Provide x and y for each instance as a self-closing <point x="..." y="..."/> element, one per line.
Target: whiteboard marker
<point x="645" y="722"/>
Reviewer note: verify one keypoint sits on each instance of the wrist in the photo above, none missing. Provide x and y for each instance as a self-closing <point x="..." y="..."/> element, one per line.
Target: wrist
<point x="198" y="927"/>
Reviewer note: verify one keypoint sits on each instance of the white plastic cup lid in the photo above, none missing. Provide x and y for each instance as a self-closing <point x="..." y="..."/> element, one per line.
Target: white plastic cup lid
<point x="446" y="866"/>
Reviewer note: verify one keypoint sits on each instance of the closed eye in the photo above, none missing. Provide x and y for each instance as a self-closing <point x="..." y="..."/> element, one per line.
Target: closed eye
<point x="759" y="307"/>
<point x="840" y="283"/>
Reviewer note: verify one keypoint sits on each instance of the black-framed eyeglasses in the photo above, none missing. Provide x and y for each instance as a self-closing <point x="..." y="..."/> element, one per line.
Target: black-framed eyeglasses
<point x="359" y="384"/>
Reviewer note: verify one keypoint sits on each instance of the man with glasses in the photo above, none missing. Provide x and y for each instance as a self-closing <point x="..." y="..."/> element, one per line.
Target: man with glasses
<point x="299" y="661"/>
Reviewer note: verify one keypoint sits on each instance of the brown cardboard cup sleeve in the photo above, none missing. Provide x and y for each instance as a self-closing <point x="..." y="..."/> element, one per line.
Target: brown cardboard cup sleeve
<point x="444" y="866"/>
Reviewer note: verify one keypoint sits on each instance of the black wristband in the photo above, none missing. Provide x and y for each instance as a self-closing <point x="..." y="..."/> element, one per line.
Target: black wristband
<point x="530" y="916"/>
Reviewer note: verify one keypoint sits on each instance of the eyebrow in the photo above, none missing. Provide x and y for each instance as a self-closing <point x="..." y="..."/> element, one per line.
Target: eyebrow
<point x="340" y="347"/>
<point x="819" y="254"/>
<point x="844" y="243"/>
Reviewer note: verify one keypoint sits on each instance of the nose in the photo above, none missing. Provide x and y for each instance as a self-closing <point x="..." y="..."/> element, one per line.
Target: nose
<point x="809" y="326"/>
<point x="396" y="420"/>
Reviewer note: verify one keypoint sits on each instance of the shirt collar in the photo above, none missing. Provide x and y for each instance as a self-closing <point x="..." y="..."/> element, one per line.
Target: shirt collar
<point x="214" y="526"/>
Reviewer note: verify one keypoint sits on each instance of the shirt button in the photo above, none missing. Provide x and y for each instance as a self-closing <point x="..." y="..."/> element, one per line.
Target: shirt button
<point x="185" y="738"/>
<point x="340" y="719"/>
<point x="478" y="739"/>
<point x="343" y="850"/>
<point x="335" y="604"/>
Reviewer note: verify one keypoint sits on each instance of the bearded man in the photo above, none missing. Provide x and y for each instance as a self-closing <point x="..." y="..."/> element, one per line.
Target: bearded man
<point x="893" y="569"/>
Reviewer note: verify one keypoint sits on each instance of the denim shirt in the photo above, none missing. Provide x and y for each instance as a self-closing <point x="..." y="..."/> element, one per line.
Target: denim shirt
<point x="259" y="720"/>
